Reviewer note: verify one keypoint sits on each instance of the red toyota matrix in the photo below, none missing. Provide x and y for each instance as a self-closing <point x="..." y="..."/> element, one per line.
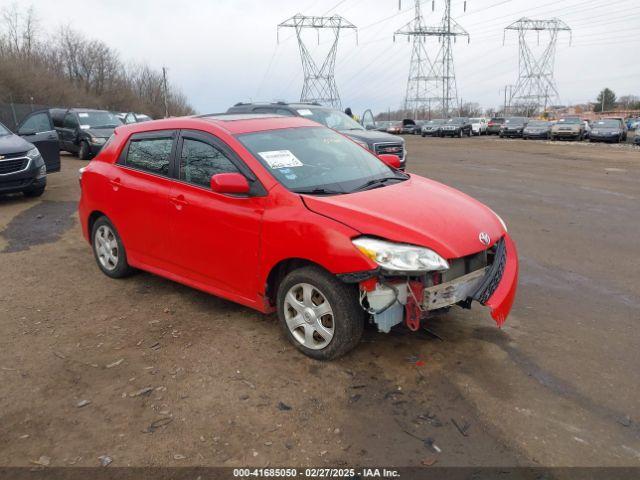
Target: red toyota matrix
<point x="282" y="214"/>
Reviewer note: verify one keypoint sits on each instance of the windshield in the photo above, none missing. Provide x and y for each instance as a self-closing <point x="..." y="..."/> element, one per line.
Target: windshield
<point x="317" y="160"/>
<point x="497" y="120"/>
<point x="4" y="130"/>
<point x="330" y="118"/>
<point x="514" y="121"/>
<point x="607" y="124"/>
<point x="538" y="123"/>
<point x="457" y="121"/>
<point x="571" y="121"/>
<point x="475" y="120"/>
<point x="98" y="120"/>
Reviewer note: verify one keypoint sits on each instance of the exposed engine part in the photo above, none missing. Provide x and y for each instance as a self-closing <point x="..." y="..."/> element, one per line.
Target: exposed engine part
<point x="385" y="304"/>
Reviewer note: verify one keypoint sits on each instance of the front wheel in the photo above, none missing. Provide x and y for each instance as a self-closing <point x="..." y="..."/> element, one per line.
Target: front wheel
<point x="85" y="152"/>
<point x="108" y="249"/>
<point x="320" y="314"/>
<point x="34" y="192"/>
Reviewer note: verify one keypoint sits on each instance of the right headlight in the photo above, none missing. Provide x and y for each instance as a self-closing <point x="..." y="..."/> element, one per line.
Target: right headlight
<point x="400" y="257"/>
<point x="33" y="153"/>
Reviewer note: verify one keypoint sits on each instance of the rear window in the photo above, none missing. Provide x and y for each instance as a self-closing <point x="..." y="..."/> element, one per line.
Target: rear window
<point x="150" y="155"/>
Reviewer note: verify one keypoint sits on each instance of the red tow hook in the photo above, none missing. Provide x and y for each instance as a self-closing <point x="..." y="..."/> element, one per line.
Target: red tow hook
<point x="414" y="306"/>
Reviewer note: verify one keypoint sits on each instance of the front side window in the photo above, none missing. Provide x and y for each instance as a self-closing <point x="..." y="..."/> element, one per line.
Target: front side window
<point x="317" y="160"/>
<point x="150" y="155"/>
<point x="37" y="123"/>
<point x="199" y="161"/>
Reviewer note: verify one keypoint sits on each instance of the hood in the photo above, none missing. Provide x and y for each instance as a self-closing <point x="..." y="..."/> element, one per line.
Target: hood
<point x="372" y="136"/>
<point x="566" y="126"/>
<point x="417" y="211"/>
<point x="100" y="132"/>
<point x="10" y="144"/>
<point x="606" y="129"/>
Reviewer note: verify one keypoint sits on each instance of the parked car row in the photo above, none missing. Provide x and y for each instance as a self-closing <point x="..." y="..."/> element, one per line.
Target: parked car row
<point x="567" y="128"/>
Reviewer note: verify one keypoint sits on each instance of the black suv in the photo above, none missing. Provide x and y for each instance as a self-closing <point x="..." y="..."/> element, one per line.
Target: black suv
<point x="456" y="127"/>
<point x="83" y="131"/>
<point x="25" y="162"/>
<point x="376" y="142"/>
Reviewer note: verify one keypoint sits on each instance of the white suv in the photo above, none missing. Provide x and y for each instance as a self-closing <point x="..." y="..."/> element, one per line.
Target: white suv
<point x="479" y="126"/>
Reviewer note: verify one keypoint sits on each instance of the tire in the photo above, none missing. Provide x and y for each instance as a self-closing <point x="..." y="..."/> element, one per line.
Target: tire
<point x="424" y="135"/>
<point x="34" y="192"/>
<point x="501" y="135"/>
<point x="111" y="256"/>
<point x="460" y="134"/>
<point x="85" y="151"/>
<point x="345" y="322"/>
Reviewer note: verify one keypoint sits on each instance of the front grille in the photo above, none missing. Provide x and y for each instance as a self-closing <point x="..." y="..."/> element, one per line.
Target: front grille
<point x="13" y="166"/>
<point x="8" y="156"/>
<point x="493" y="276"/>
<point x="389" y="149"/>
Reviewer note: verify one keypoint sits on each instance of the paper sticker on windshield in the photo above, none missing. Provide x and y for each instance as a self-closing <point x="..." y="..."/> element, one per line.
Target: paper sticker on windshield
<point x="83" y="115"/>
<point x="85" y="127"/>
<point x="305" y="112"/>
<point x="281" y="159"/>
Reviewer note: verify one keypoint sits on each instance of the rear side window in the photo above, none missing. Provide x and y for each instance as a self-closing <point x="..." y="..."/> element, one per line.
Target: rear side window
<point x="199" y="161"/>
<point x="70" y="121"/>
<point x="150" y="155"/>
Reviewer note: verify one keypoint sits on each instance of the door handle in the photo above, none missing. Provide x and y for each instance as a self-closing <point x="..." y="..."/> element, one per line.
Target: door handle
<point x="179" y="202"/>
<point x="115" y="184"/>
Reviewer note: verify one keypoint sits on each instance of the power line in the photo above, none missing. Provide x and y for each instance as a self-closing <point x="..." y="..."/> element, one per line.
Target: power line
<point x="319" y="80"/>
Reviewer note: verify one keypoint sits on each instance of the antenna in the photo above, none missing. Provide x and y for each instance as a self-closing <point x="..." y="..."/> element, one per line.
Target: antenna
<point x="536" y="88"/>
<point x="429" y="80"/>
<point x="319" y="82"/>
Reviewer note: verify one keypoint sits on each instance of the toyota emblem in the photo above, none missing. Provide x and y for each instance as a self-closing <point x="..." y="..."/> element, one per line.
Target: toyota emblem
<point x="484" y="238"/>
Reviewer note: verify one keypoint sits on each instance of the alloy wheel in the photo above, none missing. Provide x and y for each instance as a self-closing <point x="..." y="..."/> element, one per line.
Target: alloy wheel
<point x="106" y="246"/>
<point x="309" y="316"/>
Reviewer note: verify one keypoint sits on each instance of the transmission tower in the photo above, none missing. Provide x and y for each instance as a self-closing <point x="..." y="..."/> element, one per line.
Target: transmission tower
<point x="432" y="81"/>
<point x="536" y="88"/>
<point x="319" y="82"/>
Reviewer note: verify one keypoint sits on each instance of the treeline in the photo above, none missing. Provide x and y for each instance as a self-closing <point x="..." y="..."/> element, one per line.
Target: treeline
<point x="69" y="70"/>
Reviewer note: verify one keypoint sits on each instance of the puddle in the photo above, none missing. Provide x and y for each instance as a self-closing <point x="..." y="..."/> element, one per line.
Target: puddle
<point x="43" y="223"/>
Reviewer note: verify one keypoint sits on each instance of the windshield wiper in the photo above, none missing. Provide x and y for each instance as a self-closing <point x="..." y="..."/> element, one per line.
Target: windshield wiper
<point x="319" y="191"/>
<point x="377" y="181"/>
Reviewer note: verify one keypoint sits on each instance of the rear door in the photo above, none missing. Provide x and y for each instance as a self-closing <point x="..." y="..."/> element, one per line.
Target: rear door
<point x="215" y="237"/>
<point x="139" y="196"/>
<point x="37" y="128"/>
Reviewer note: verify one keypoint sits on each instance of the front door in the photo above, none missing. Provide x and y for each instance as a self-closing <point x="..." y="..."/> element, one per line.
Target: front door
<point x="215" y="237"/>
<point x="37" y="128"/>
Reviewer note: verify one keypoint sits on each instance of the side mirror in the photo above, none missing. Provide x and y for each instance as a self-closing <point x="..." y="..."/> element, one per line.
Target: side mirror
<point x="23" y="132"/>
<point x="391" y="160"/>
<point x="234" y="183"/>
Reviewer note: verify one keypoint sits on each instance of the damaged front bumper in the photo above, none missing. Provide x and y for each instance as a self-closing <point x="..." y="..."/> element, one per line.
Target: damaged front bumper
<point x="393" y="299"/>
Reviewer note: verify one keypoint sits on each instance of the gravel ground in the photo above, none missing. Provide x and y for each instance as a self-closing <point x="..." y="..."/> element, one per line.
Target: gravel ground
<point x="149" y="372"/>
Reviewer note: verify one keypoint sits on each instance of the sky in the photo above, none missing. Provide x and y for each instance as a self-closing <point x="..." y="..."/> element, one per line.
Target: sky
<point x="219" y="52"/>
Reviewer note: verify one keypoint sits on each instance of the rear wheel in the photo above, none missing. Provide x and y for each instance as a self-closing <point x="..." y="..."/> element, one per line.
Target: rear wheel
<point x="320" y="314"/>
<point x="108" y="249"/>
